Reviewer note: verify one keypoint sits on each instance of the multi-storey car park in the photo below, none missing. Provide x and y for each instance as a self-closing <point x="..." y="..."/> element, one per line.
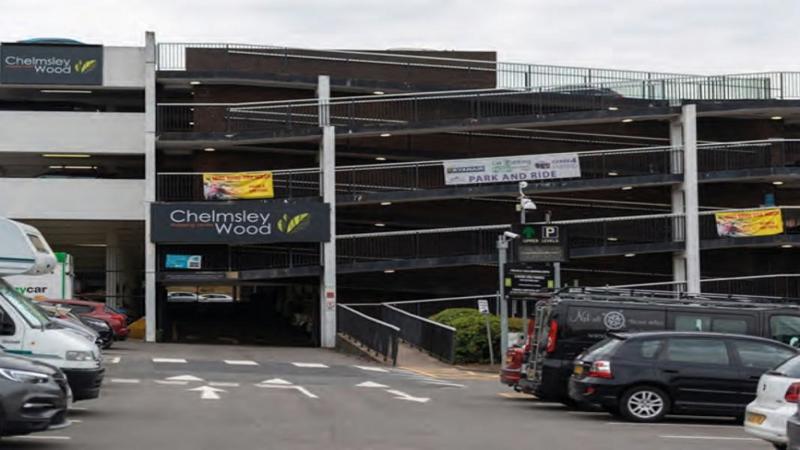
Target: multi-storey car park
<point x="659" y="153"/>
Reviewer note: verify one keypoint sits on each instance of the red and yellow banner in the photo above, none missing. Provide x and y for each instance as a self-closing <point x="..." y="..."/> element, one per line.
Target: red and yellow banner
<point x="756" y="222"/>
<point x="239" y="185"/>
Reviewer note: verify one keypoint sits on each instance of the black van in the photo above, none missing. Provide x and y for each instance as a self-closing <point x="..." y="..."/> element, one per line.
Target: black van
<point x="575" y="319"/>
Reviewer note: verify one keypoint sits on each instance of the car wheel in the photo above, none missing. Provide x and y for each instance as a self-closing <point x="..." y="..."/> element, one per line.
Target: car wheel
<point x="644" y="404"/>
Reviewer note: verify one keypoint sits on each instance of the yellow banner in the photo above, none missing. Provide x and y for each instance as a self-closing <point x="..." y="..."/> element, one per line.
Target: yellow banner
<point x="240" y="185"/>
<point x="757" y="222"/>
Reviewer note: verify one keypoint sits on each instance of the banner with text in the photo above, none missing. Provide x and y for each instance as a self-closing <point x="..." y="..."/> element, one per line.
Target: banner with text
<point x="238" y="186"/>
<point x="510" y="169"/>
<point x="243" y="222"/>
<point x="757" y="222"/>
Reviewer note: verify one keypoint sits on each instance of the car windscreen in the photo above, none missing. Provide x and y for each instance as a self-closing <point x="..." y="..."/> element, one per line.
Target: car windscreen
<point x="790" y="368"/>
<point x="24" y="306"/>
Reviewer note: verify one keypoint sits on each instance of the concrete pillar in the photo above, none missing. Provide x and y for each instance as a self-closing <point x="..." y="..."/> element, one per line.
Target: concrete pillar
<point x="691" y="197"/>
<point x="678" y="207"/>
<point x="112" y="269"/>
<point x="150" y="183"/>
<point x="327" y="166"/>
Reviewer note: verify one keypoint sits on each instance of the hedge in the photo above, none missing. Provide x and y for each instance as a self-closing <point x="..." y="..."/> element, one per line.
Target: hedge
<point x="470" y="325"/>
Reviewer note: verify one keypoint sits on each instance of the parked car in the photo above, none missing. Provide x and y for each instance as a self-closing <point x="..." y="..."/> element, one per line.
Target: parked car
<point x="118" y="322"/>
<point x="215" y="298"/>
<point x="793" y="431"/>
<point x="181" y="297"/>
<point x="515" y="358"/>
<point x="776" y="401"/>
<point x="645" y="376"/>
<point x="33" y="395"/>
<point x="574" y="321"/>
<point x="61" y="317"/>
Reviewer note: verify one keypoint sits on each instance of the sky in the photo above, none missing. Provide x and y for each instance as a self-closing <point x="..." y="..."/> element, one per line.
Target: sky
<point x="685" y="36"/>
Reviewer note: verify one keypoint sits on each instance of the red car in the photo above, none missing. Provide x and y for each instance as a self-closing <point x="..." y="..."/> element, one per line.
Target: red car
<point x="117" y="321"/>
<point x="515" y="358"/>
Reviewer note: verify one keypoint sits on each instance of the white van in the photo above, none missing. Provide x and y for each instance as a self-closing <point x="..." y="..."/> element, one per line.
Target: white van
<point x="25" y="330"/>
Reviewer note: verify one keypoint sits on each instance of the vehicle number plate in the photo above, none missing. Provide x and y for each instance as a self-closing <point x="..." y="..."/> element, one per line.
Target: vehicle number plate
<point x="578" y="370"/>
<point x="757" y="419"/>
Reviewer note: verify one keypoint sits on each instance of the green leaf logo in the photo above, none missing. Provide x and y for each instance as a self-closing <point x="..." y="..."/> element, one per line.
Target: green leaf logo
<point x="283" y="222"/>
<point x="298" y="222"/>
<point x="85" y="66"/>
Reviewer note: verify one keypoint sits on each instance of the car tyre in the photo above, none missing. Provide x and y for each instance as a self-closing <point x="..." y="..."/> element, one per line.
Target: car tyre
<point x="644" y="404"/>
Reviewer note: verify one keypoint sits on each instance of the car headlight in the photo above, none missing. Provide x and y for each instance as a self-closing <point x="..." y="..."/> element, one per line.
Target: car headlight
<point x="23" y="376"/>
<point x="79" y="356"/>
<point x="97" y="323"/>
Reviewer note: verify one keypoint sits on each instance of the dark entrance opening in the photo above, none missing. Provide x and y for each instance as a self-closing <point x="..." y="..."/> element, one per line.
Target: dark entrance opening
<point x="277" y="315"/>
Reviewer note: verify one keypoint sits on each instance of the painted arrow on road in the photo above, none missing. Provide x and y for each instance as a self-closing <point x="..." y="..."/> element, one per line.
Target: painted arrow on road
<point x="208" y="392"/>
<point x="371" y="384"/>
<point x="400" y="395"/>
<point x="185" y="378"/>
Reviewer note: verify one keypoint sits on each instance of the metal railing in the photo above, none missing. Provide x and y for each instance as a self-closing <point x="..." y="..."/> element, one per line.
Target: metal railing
<point x="435" y="338"/>
<point x="748" y="155"/>
<point x="783" y="285"/>
<point x="378" y="336"/>
<point x="505" y="75"/>
<point x="431" y="306"/>
<point x="376" y="178"/>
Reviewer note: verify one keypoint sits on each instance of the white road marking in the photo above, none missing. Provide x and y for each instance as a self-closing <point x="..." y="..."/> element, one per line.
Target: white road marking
<point x="300" y="389"/>
<point x="223" y="384"/>
<point x="310" y="365"/>
<point x="240" y="362"/>
<point x="125" y="380"/>
<point x="446" y="383"/>
<point x="370" y="384"/>
<point x="78" y="408"/>
<point x="711" y="438"/>
<point x="208" y="392"/>
<point x="43" y="438"/>
<point x="172" y="382"/>
<point x="276" y="381"/>
<point x="112" y="360"/>
<point x="400" y="395"/>
<point x="169" y="360"/>
<point x="372" y="369"/>
<point x="75" y="421"/>
<point x="185" y="378"/>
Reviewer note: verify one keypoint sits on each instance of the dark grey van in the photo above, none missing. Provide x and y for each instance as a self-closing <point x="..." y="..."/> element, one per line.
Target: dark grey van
<point x="573" y="321"/>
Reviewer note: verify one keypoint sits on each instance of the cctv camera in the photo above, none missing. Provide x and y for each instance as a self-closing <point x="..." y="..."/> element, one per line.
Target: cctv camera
<point x="510" y="235"/>
<point x="523" y="184"/>
<point x="528" y="204"/>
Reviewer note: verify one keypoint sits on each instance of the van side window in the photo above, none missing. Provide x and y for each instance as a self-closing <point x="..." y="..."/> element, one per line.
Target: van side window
<point x="692" y="322"/>
<point x="7" y="327"/>
<point x="785" y="329"/>
<point x="760" y="355"/>
<point x="698" y="351"/>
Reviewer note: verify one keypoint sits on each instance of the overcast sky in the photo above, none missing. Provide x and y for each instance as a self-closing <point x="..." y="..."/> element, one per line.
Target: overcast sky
<point x="690" y="36"/>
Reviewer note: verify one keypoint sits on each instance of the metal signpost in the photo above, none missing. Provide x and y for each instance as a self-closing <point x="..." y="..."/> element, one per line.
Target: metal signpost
<point x="483" y="307"/>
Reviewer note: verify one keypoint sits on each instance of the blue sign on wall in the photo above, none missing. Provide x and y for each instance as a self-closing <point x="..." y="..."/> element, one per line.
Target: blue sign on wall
<point x="184" y="261"/>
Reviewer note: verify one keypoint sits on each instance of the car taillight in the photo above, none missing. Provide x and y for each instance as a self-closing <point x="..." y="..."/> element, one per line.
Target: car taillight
<point x="601" y="369"/>
<point x="552" y="336"/>
<point x="793" y="393"/>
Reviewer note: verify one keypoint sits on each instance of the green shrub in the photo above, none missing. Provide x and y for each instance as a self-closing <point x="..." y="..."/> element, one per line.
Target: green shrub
<point x="470" y="325"/>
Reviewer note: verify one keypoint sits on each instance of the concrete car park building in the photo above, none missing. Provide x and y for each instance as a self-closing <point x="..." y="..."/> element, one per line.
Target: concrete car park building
<point x="361" y="142"/>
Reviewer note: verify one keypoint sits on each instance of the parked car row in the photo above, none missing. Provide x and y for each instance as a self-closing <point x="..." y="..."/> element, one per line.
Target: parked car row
<point x="642" y="357"/>
<point x="191" y="297"/>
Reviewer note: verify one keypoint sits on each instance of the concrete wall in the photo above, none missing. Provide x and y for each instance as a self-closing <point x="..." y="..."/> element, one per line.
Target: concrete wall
<point x="123" y="67"/>
<point x="85" y="199"/>
<point x="88" y="132"/>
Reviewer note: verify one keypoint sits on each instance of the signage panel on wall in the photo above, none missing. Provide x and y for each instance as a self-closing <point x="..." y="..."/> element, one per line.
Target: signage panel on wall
<point x="242" y="222"/>
<point x="51" y="64"/>
<point x="541" y="243"/>
<point x="184" y="261"/>
<point x="525" y="279"/>
<point x="512" y="169"/>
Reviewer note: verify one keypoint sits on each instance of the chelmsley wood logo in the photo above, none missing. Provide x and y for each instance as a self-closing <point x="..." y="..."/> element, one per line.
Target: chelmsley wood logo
<point x="295" y="224"/>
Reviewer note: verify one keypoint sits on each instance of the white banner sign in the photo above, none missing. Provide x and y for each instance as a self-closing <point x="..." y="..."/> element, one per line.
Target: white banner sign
<point x="512" y="169"/>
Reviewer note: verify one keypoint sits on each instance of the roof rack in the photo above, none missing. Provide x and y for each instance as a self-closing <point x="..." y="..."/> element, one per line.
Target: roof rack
<point x="673" y="298"/>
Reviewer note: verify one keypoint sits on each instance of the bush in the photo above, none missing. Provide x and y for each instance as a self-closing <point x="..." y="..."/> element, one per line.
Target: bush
<point x="470" y="325"/>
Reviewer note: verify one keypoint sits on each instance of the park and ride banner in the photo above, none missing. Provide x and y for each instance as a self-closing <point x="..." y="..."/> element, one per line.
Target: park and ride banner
<point x="508" y="169"/>
<point x="238" y="186"/>
<point x="756" y="222"/>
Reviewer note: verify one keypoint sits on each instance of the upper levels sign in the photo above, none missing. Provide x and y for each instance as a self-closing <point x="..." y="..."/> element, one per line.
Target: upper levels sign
<point x="51" y="64"/>
<point x="241" y="222"/>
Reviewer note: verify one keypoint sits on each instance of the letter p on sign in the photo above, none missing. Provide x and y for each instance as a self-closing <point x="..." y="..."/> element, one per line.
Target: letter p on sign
<point x="550" y="232"/>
